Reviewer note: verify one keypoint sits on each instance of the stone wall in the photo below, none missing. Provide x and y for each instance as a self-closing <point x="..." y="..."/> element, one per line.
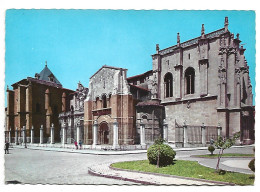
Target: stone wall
<point x="192" y="113"/>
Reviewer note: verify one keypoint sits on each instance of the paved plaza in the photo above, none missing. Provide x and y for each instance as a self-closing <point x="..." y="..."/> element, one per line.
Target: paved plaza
<point x="70" y="166"/>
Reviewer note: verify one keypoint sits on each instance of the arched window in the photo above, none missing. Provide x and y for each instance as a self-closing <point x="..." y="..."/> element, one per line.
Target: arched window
<point x="104" y="101"/>
<point x="168" y="88"/>
<point x="109" y="100"/>
<point x="97" y="101"/>
<point x="190" y="80"/>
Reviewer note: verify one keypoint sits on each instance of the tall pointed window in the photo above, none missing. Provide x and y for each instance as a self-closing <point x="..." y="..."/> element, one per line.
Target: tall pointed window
<point x="190" y="80"/>
<point x="104" y="101"/>
<point x="168" y="87"/>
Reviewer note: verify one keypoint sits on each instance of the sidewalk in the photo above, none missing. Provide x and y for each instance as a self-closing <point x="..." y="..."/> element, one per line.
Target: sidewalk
<point x="81" y="151"/>
<point x="70" y="148"/>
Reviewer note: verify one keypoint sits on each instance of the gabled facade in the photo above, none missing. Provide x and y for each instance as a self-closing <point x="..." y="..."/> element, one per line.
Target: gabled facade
<point x="109" y="102"/>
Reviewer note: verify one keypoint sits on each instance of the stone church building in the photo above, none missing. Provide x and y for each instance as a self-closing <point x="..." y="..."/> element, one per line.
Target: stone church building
<point x="34" y="103"/>
<point x="195" y="91"/>
<point x="205" y="82"/>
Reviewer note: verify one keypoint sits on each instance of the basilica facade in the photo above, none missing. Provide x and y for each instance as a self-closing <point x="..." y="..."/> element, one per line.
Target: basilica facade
<point x="198" y="89"/>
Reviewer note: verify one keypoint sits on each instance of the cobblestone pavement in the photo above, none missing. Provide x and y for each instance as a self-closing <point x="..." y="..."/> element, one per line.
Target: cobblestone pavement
<point x="50" y="167"/>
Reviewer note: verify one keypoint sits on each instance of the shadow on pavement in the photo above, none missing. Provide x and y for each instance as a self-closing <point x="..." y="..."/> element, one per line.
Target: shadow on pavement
<point x="12" y="182"/>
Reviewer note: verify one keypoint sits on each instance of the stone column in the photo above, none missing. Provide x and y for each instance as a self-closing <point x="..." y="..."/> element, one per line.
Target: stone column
<point x="32" y="135"/>
<point x="24" y="134"/>
<point x="95" y="127"/>
<point x="52" y="133"/>
<point x="185" y="135"/>
<point x="219" y="130"/>
<point x="115" y="135"/>
<point x="203" y="135"/>
<point x="142" y="134"/>
<point x="78" y="132"/>
<point x="16" y="136"/>
<point x="64" y="134"/>
<point x="41" y="134"/>
<point x="63" y="100"/>
<point x="165" y="131"/>
<point x="9" y="136"/>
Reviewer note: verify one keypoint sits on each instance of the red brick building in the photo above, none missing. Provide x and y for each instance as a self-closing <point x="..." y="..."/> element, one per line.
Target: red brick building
<point x="34" y="102"/>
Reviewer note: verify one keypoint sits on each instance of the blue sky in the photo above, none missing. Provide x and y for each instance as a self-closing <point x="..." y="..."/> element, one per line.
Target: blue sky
<point x="76" y="43"/>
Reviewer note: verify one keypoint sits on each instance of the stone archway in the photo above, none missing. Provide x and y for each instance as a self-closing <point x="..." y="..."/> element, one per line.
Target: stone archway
<point x="103" y="133"/>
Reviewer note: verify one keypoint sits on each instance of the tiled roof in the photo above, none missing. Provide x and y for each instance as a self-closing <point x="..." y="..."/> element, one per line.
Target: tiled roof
<point x="45" y="73"/>
<point x="149" y="103"/>
<point x="137" y="87"/>
<point x="43" y="82"/>
<point x="140" y="75"/>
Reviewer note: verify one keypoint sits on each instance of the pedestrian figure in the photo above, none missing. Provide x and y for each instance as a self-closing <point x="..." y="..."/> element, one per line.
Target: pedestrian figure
<point x="80" y="144"/>
<point x="212" y="141"/>
<point x="6" y="148"/>
<point x="76" y="144"/>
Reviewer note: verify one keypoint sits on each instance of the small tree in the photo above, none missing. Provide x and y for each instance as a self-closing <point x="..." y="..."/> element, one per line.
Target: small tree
<point x="222" y="143"/>
<point x="211" y="148"/>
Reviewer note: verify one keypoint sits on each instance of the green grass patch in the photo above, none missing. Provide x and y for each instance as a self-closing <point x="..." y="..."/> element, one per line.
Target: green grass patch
<point x="187" y="169"/>
<point x="227" y="155"/>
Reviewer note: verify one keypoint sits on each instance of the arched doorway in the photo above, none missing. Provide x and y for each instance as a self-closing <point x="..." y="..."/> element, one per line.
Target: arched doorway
<point x="103" y="133"/>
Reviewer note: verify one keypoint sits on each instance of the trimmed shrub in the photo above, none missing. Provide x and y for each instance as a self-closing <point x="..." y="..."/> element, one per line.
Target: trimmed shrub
<point x="211" y="148"/>
<point x="251" y="165"/>
<point x="166" y="154"/>
<point x="159" y="141"/>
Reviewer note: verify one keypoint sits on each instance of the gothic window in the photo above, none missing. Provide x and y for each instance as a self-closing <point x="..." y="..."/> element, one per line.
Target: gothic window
<point x="189" y="56"/>
<point x="244" y="93"/>
<point x="109" y="100"/>
<point x="97" y="100"/>
<point x="190" y="80"/>
<point x="168" y="86"/>
<point x="104" y="101"/>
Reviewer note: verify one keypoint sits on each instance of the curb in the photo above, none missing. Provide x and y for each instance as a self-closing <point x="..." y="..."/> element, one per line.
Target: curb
<point x="174" y="176"/>
<point x="194" y="156"/>
<point x="91" y="172"/>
